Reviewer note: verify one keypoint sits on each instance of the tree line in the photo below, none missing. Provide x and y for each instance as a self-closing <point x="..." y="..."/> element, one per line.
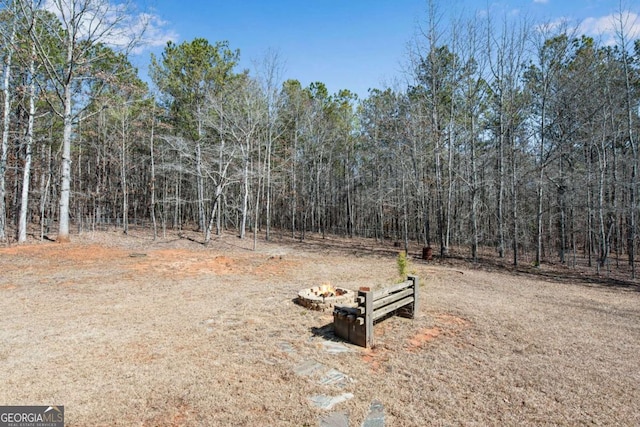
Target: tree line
<point x="509" y="136"/>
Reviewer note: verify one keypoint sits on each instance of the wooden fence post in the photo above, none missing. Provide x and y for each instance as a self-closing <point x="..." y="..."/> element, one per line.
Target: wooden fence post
<point x="368" y="318"/>
<point x="416" y="285"/>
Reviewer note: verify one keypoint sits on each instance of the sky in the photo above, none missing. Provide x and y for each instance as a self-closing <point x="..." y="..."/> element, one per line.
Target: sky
<point x="346" y="44"/>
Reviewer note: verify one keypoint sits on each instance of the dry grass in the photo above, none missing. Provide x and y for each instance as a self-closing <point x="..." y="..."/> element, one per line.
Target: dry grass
<point x="125" y="331"/>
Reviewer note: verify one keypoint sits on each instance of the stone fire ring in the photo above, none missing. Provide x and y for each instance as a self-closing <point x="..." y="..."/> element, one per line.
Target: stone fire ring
<point x="316" y="299"/>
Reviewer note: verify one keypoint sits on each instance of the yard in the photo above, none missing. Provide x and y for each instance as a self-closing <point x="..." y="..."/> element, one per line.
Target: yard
<point x="125" y="331"/>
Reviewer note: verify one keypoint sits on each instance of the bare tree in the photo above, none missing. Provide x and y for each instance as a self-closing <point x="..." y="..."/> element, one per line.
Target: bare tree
<point x="237" y="113"/>
<point x="432" y="67"/>
<point x="26" y="174"/>
<point x="623" y="25"/>
<point x="86" y="25"/>
<point x="552" y="47"/>
<point x="474" y="101"/>
<point x="9" y="37"/>
<point x="152" y="186"/>
<point x="270" y="76"/>
<point x="505" y="52"/>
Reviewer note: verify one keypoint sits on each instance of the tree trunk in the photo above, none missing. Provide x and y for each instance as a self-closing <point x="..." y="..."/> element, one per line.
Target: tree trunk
<point x="514" y="199"/>
<point x="500" y="206"/>
<point x="450" y="149"/>
<point x="631" y="235"/>
<point x="439" y="201"/>
<point x="214" y="214"/>
<point x="541" y="166"/>
<point x="218" y="206"/>
<point x="123" y="177"/>
<point x="245" y="193"/>
<point x="45" y="182"/>
<point x="405" y="219"/>
<point x="474" y="194"/>
<point x="5" y="131"/>
<point x="350" y="221"/>
<point x="26" y="174"/>
<point x="65" y="177"/>
<point x="294" y="182"/>
<point x="562" y="208"/>
<point x="604" y="243"/>
<point x="256" y="211"/>
<point x="268" y="189"/>
<point x="152" y="187"/>
<point x="200" y="186"/>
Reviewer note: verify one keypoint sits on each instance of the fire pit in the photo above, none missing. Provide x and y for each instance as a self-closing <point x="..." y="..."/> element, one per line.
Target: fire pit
<point x="325" y="297"/>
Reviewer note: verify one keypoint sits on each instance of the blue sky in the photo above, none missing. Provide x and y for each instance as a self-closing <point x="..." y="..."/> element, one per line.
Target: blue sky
<point x="346" y="44"/>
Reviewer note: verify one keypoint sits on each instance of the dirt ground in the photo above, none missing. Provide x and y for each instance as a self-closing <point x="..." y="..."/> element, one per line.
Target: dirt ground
<point x="125" y="331"/>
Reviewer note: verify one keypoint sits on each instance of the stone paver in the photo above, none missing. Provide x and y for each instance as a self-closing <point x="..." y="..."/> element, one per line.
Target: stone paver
<point x="326" y="376"/>
<point x="308" y="367"/>
<point x="375" y="418"/>
<point x="332" y="347"/>
<point x="335" y="377"/>
<point x="327" y="402"/>
<point x="334" y="419"/>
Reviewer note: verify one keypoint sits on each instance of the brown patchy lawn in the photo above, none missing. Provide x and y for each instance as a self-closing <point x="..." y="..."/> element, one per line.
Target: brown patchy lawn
<point x="125" y="331"/>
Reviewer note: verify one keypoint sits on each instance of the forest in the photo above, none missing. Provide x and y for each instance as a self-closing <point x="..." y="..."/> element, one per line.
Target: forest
<point x="508" y="137"/>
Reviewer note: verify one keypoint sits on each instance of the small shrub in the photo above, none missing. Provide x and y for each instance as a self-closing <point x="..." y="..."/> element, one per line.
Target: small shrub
<point x="403" y="264"/>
